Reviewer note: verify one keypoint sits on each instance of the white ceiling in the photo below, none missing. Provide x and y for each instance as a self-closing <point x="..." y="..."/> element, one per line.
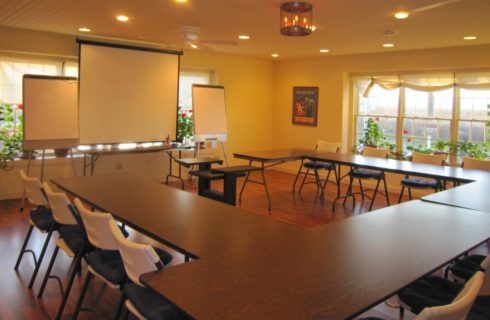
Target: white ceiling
<point x="343" y="26"/>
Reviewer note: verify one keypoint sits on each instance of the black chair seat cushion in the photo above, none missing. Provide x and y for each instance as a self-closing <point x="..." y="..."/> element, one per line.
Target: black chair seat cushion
<point x="74" y="237"/>
<point x="418" y="183"/>
<point x="480" y="309"/>
<point x="468" y="266"/>
<point x="43" y="218"/>
<point x="108" y="264"/>
<point x="429" y="292"/>
<point x="165" y="257"/>
<point x="150" y="304"/>
<point x="318" y="165"/>
<point x="366" y="173"/>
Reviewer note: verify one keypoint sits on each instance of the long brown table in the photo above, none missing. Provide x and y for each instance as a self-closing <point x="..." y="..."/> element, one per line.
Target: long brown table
<point x="273" y="157"/>
<point x="336" y="271"/>
<point x="195" y="226"/>
<point x="475" y="195"/>
<point x="253" y="267"/>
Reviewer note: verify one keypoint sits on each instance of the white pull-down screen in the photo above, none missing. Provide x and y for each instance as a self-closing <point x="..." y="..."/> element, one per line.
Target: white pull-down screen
<point x="127" y="95"/>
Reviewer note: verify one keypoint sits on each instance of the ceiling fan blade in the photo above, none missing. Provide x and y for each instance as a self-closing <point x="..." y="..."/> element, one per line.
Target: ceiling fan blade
<point x="435" y="5"/>
<point x="220" y="42"/>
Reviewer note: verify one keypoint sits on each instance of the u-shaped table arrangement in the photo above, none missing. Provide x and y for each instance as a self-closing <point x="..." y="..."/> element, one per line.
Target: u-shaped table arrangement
<point x="250" y="266"/>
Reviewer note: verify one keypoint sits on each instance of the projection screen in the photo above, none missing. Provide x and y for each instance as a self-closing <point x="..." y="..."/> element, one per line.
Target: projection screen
<point x="127" y="94"/>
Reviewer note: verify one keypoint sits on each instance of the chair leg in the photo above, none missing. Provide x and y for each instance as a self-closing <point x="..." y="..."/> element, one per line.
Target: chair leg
<point x="349" y="190"/>
<point x="120" y="306"/>
<point x="374" y="195"/>
<point x="322" y="194"/>
<point x="41" y="256"/>
<point x="401" y="194"/>
<point x="402" y="312"/>
<point x="409" y="193"/>
<point x="69" y="284"/>
<point x="304" y="180"/>
<point x="297" y="176"/>
<point x="24" y="245"/>
<point x="386" y="191"/>
<point x="317" y="180"/>
<point x="125" y="314"/>
<point x="362" y="189"/>
<point x="48" y="272"/>
<point x="82" y="295"/>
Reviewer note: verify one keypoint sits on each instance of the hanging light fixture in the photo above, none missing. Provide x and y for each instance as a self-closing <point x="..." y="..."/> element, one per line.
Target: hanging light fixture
<point x="296" y="19"/>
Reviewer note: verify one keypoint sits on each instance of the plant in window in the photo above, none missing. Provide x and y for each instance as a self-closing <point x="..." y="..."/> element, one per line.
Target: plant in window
<point x="10" y="134"/>
<point x="473" y="150"/>
<point x="185" y="124"/>
<point x="373" y="136"/>
<point x="442" y="146"/>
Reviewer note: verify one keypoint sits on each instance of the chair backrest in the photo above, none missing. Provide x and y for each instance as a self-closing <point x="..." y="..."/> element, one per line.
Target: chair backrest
<point x="375" y="152"/>
<point x="97" y="227"/>
<point x="461" y="305"/>
<point x="331" y="147"/>
<point x="138" y="258"/>
<point x="476" y="164"/>
<point x="34" y="190"/>
<point x="60" y="205"/>
<point x="437" y="159"/>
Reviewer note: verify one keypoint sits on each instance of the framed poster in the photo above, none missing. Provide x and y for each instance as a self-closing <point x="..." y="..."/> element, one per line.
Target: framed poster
<point x="305" y="106"/>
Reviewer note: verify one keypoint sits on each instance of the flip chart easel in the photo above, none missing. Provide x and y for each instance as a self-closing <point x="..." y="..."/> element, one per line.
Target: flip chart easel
<point x="209" y="105"/>
<point x="50" y="116"/>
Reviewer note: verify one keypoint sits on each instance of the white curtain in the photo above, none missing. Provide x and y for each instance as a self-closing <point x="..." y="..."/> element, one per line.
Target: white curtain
<point x="436" y="81"/>
<point x="12" y="70"/>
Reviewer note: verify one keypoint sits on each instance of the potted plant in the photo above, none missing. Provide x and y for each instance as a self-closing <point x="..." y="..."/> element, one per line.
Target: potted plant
<point x="185" y="125"/>
<point x="10" y="134"/>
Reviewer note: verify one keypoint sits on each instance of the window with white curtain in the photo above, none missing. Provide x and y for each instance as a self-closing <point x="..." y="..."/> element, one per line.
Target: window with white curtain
<point x="186" y="80"/>
<point x="11" y="72"/>
<point x="419" y="109"/>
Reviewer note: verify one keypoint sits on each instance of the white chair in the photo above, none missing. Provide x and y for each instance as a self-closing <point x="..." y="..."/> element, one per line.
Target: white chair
<point x="72" y="240"/>
<point x="70" y="233"/>
<point x="437" y="298"/>
<point x="41" y="218"/>
<point x="461" y="305"/>
<point x="316" y="166"/>
<point x="139" y="259"/>
<point x="367" y="174"/>
<point x="418" y="183"/>
<point x="105" y="263"/>
<point x="476" y="164"/>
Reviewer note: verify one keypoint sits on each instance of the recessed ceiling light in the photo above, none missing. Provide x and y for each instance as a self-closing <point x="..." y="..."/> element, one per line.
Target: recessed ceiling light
<point x="274" y="55"/>
<point x="313" y="28"/>
<point x="402" y="15"/>
<point x="388" y="45"/>
<point x="84" y="29"/>
<point x="180" y="0"/>
<point x="324" y="50"/>
<point x="122" y="18"/>
<point x="194" y="46"/>
<point x="470" y="38"/>
<point x="243" y="37"/>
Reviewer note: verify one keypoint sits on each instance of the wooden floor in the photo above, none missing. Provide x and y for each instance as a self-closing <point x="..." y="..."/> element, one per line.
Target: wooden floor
<point x="18" y="302"/>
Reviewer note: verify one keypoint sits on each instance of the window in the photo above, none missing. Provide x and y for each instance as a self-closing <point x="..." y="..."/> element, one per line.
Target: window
<point x="419" y="109"/>
<point x="185" y="121"/>
<point x="186" y="80"/>
<point x="382" y="105"/>
<point x="11" y="72"/>
<point x="427" y="117"/>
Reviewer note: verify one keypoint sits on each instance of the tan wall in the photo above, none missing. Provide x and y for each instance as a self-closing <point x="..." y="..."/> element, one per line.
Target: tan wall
<point x="249" y="88"/>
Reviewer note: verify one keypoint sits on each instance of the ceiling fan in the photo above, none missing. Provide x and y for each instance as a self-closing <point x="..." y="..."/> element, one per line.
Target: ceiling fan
<point x="191" y="39"/>
<point x="434" y="5"/>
